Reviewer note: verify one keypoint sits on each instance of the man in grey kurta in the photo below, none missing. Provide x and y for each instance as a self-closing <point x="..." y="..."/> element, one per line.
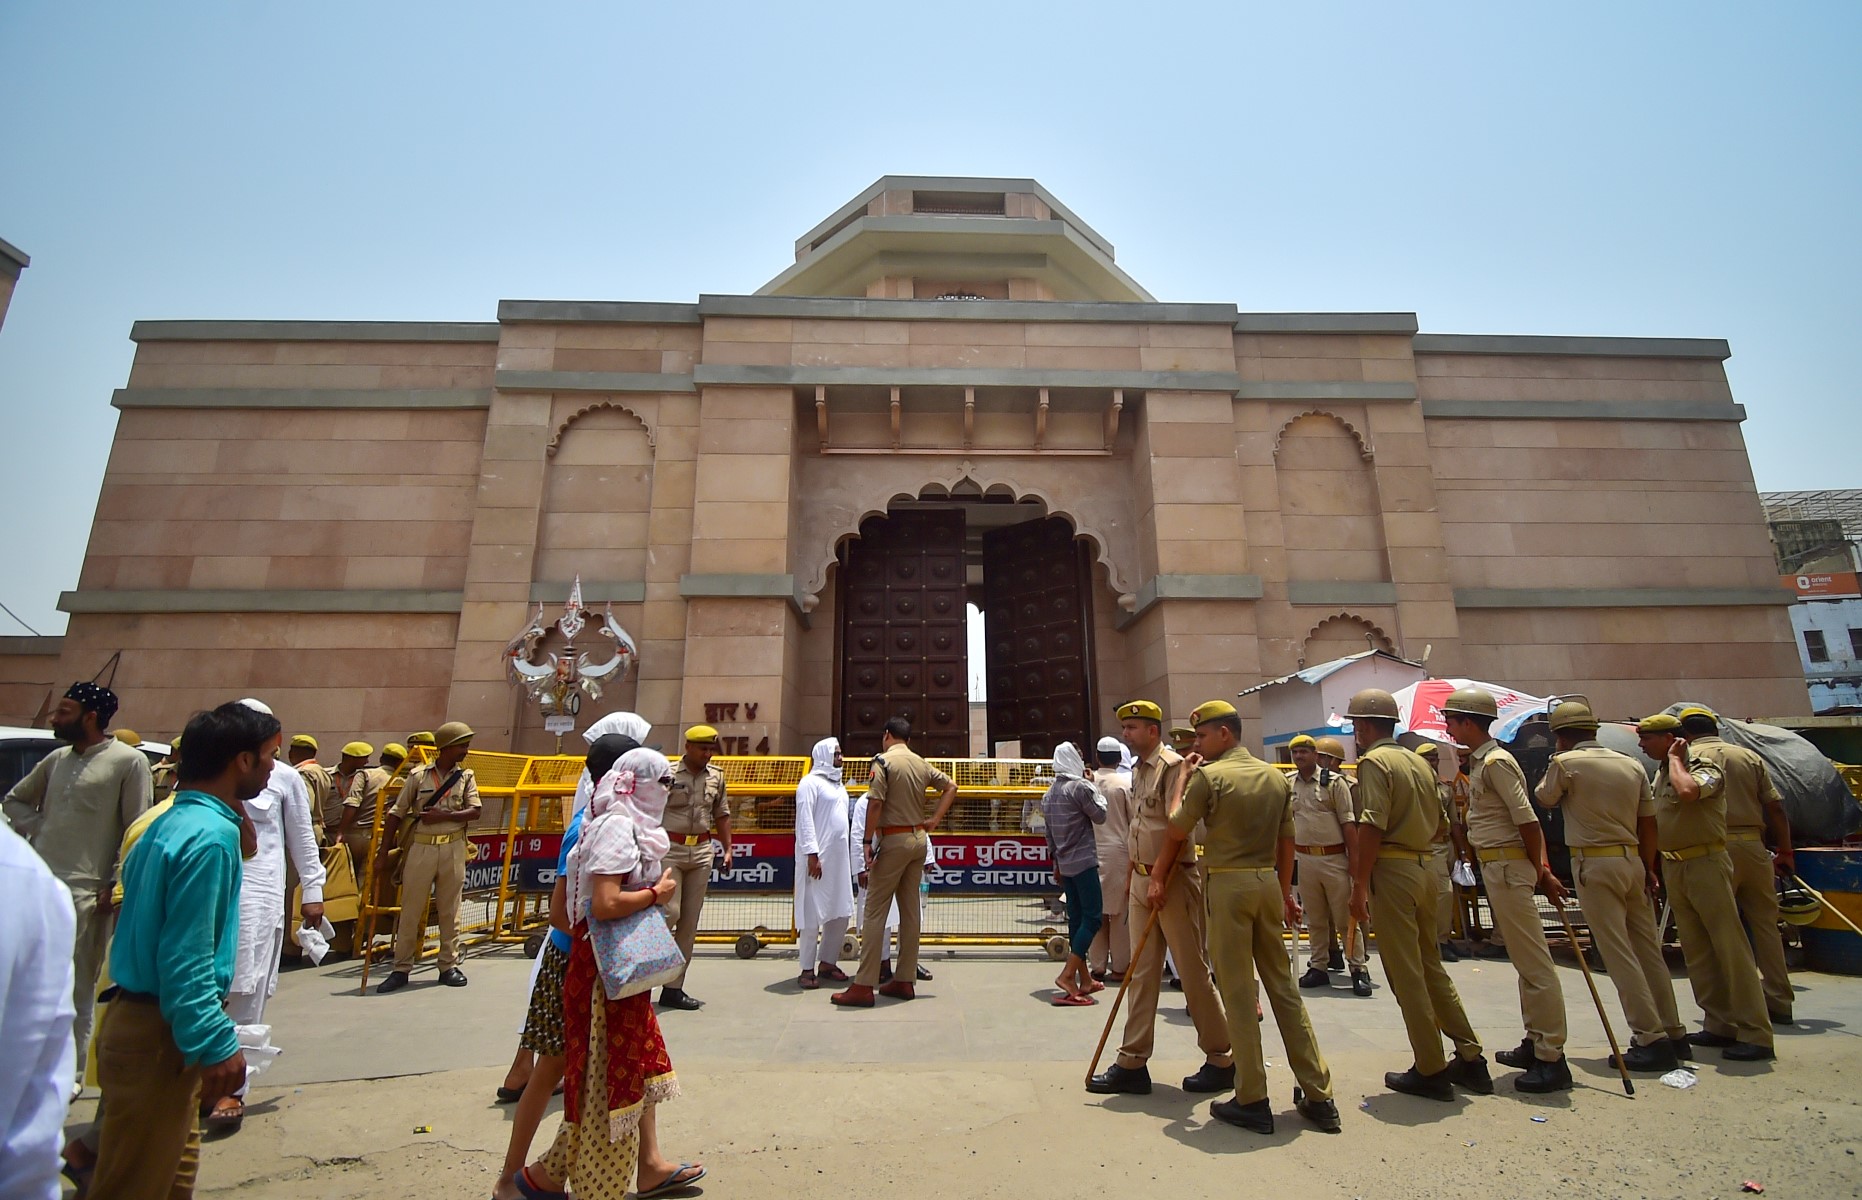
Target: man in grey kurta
<point x="73" y="807"/>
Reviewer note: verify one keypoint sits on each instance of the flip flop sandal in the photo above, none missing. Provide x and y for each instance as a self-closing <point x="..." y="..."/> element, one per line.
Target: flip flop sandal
<point x="1064" y="1001"/>
<point x="510" y="1095"/>
<point x="678" y="1181"/>
<point x="222" y="1120"/>
<point x="530" y="1191"/>
<point x="834" y="974"/>
<point x="809" y="981"/>
<point x="1096" y="987"/>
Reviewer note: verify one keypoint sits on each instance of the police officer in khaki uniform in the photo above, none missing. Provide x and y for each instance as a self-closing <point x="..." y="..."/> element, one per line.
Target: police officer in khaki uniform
<point x="1246" y="806"/>
<point x="1391" y="881"/>
<point x="697" y="809"/>
<point x="1180" y="917"/>
<point x="441" y="800"/>
<point x="899" y="813"/>
<point x="1610" y="829"/>
<point x="349" y="766"/>
<point x="1324" y="828"/>
<point x="1449" y="842"/>
<point x="1753" y="807"/>
<point x="1505" y="834"/>
<point x="1182" y="739"/>
<point x="325" y="801"/>
<point x="363" y="799"/>
<point x="1690" y="829"/>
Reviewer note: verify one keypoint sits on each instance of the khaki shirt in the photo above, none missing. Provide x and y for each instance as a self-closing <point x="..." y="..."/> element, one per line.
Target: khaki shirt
<point x="417" y="796"/>
<point x="1246" y="805"/>
<point x="1113" y="837"/>
<point x="74" y="809"/>
<point x="162" y="780"/>
<point x="695" y="805"/>
<point x="900" y="783"/>
<point x="1397" y="791"/>
<point x="1602" y="792"/>
<point x="326" y="802"/>
<point x="1321" y="810"/>
<point x="1747" y="786"/>
<point x="1497" y="800"/>
<point x="1678" y="825"/>
<point x="365" y="795"/>
<point x="1152" y="781"/>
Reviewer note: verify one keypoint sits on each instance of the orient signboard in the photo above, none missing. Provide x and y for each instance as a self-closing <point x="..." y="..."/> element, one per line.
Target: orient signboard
<point x="1823" y="585"/>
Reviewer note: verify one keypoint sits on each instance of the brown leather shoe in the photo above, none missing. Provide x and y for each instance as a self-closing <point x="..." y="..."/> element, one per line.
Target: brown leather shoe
<point x="899" y="989"/>
<point x="857" y="995"/>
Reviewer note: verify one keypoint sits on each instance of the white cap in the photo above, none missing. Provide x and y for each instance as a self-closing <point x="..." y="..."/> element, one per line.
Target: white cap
<point x="1111" y="745"/>
<point x="257" y="706"/>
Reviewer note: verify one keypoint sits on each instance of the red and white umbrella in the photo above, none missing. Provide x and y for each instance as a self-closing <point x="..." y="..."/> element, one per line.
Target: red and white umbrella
<point x="1419" y="708"/>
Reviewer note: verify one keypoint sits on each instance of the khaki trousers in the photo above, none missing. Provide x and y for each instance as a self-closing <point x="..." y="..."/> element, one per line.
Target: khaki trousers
<point x="893" y="876"/>
<point x="1719" y="958"/>
<point x="1180" y="922"/>
<point x="93" y="942"/>
<point x="1246" y="917"/>
<point x="1443" y="866"/>
<point x="439" y="868"/>
<point x="1541" y="1001"/>
<point x="1755" y="887"/>
<point x="1622" y="927"/>
<point x="1403" y="906"/>
<point x="691" y="879"/>
<point x="149" y="1147"/>
<point x="1325" y="894"/>
<point x="1111" y="950"/>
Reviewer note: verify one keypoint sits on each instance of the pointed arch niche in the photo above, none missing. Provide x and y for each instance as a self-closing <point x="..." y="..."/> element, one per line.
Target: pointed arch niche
<point x="1340" y="635"/>
<point x="597" y="494"/>
<point x="1331" y="519"/>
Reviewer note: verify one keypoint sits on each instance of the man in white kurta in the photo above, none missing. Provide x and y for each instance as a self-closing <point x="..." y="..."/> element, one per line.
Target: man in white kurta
<point x="282" y="819"/>
<point x="823" y="865"/>
<point x="1111" y="950"/>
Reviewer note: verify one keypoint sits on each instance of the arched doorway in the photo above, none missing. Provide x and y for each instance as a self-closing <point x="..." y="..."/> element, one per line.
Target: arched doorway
<point x="905" y="583"/>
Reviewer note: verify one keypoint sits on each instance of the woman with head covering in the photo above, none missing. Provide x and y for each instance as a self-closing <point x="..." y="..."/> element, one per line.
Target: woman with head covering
<point x="823" y="867"/>
<point x="536" y="1072"/>
<point x="631" y="726"/>
<point x="1070" y="809"/>
<point x="616" y="1066"/>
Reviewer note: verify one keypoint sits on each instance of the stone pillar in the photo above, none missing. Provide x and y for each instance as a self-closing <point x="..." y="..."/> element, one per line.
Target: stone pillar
<point x="742" y="626"/>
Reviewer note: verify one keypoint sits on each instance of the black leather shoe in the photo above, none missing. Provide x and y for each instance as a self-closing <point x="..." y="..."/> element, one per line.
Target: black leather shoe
<point x="1519" y="1057"/>
<point x="1116" y="1080"/>
<point x="675" y="998"/>
<point x="1713" y="1041"/>
<point x="395" y="982"/>
<point x="923" y="975"/>
<point x="1747" y="1052"/>
<point x="1175" y="983"/>
<point x="1781" y="1018"/>
<point x="1545" y="1077"/>
<point x="1684" y="1049"/>
<point x="453" y="977"/>
<point x="1315" y="978"/>
<point x="1449" y="953"/>
<point x="1335" y="961"/>
<point x="1210" y="1078"/>
<point x="1412" y="1082"/>
<point x="1490" y="950"/>
<point x="1657" y="1056"/>
<point x="1322" y="1113"/>
<point x="1257" y="1117"/>
<point x="1471" y="1073"/>
<point x="1361" y="982"/>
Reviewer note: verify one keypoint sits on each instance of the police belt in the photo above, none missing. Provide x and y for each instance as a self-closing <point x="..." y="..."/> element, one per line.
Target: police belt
<point x="889" y="830"/>
<point x="1503" y="853"/>
<point x="1242" y="870"/>
<point x="690" y="839"/>
<point x="1744" y="835"/>
<point x="1688" y="852"/>
<point x="1320" y="850"/>
<point x="438" y="839"/>
<point x="1618" y="851"/>
<point x="1405" y="853"/>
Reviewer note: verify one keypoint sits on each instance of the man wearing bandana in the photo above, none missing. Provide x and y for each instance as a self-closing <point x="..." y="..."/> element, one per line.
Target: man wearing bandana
<point x="74" y="807"/>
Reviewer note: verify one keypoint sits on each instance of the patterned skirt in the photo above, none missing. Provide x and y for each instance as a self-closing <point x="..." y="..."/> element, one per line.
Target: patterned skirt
<point x="631" y="1054"/>
<point x="543" y="1024"/>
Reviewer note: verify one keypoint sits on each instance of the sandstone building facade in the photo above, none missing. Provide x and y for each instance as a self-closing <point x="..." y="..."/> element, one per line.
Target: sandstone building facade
<point x="954" y="396"/>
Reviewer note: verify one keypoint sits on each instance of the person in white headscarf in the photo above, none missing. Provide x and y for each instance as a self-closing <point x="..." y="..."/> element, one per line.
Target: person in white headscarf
<point x="627" y="724"/>
<point x="823" y="866"/>
<point x="617" y="1070"/>
<point x="282" y="819"/>
<point x="1111" y="950"/>
<point x="1071" y="807"/>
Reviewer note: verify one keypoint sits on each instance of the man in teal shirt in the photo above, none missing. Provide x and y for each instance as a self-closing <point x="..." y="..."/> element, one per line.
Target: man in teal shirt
<point x="167" y="1045"/>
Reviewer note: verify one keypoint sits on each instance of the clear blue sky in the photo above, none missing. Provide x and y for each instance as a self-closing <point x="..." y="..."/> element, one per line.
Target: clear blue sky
<point x="1595" y="169"/>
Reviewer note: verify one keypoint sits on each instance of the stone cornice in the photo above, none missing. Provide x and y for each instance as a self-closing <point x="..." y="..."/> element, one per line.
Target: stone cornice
<point x="279" y="398"/>
<point x="265" y="600"/>
<point x="313" y="331"/>
<point x="1582" y="347"/>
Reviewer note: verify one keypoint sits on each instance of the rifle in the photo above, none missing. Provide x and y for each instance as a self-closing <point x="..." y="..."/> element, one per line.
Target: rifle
<point x="408" y="830"/>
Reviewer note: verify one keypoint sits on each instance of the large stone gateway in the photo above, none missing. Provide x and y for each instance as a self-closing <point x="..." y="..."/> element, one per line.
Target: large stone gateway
<point x="954" y="397"/>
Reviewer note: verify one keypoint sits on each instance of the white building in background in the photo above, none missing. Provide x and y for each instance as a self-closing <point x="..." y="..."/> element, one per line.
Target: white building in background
<point x="1818" y="537"/>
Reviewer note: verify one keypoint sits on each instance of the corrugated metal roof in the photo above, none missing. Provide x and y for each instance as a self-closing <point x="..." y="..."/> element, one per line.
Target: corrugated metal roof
<point x="1316" y="673"/>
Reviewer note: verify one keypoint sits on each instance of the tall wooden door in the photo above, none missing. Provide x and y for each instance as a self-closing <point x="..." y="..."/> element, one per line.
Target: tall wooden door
<point x="1035" y="587"/>
<point x="904" y="639"/>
